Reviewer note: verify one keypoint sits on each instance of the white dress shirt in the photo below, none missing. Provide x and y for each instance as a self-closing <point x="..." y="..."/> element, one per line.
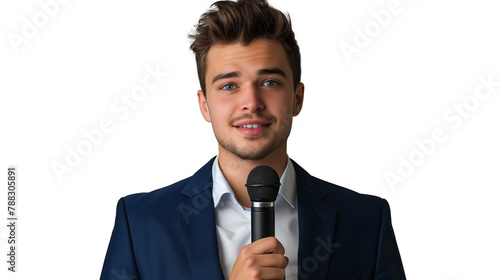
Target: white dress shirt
<point x="234" y="225"/>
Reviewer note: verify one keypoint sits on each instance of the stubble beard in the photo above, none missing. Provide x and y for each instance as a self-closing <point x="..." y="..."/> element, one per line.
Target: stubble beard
<point x="256" y="154"/>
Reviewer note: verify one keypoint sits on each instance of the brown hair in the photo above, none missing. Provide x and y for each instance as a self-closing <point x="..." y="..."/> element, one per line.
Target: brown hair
<point x="243" y="21"/>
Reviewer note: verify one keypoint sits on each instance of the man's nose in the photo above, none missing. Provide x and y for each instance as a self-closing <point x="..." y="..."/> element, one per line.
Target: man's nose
<point x="251" y="99"/>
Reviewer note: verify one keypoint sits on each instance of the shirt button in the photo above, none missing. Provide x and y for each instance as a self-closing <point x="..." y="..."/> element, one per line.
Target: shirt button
<point x="221" y="204"/>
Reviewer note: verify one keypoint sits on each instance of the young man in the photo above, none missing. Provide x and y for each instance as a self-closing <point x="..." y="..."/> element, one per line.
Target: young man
<point x="249" y="69"/>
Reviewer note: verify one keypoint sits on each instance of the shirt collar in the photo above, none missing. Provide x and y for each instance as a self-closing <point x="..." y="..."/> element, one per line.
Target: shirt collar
<point x="288" y="189"/>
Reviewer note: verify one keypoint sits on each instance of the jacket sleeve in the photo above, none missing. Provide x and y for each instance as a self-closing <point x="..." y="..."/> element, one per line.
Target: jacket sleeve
<point x="389" y="265"/>
<point x="119" y="263"/>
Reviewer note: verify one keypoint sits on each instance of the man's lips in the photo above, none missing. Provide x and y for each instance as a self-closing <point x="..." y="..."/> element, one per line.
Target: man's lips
<point x="252" y="127"/>
<point x="251" y="123"/>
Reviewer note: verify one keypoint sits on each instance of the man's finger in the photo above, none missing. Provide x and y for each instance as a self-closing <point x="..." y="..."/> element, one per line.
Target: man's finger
<point x="268" y="245"/>
<point x="271" y="260"/>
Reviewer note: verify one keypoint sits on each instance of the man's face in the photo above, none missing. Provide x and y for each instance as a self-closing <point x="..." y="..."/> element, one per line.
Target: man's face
<point x="250" y="98"/>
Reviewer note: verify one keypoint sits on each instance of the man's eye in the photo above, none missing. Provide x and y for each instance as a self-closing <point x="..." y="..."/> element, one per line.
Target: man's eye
<point x="228" y="87"/>
<point x="270" y="83"/>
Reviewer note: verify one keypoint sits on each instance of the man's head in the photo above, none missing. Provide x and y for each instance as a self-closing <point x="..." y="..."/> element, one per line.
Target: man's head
<point x="243" y="21"/>
<point x="246" y="54"/>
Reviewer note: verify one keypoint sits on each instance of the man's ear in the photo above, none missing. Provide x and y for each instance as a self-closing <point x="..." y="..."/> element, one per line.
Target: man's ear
<point x="299" y="99"/>
<point x="202" y="101"/>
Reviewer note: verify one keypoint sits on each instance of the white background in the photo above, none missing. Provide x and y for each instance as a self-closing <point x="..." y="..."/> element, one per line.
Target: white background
<point x="359" y="119"/>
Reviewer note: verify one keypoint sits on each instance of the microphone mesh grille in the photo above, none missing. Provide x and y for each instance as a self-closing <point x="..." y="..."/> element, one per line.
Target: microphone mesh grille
<point x="263" y="184"/>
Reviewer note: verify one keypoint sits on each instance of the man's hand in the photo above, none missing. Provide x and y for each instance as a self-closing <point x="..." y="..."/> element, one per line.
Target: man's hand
<point x="262" y="259"/>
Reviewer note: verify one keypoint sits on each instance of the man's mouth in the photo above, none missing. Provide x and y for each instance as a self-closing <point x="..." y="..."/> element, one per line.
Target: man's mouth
<point x="252" y="128"/>
<point x="252" y="125"/>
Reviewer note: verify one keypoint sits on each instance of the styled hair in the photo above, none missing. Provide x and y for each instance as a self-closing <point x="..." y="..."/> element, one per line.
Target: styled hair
<point x="242" y="22"/>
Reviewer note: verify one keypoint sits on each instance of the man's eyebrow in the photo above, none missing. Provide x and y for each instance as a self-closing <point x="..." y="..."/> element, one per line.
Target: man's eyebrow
<point x="225" y="76"/>
<point x="271" y="71"/>
<point x="267" y="71"/>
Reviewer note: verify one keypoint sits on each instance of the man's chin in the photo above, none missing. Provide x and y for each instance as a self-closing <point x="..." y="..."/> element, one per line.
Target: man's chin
<point x="249" y="154"/>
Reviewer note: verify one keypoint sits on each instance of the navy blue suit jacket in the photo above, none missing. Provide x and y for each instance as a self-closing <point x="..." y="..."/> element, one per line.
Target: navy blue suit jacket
<point x="170" y="233"/>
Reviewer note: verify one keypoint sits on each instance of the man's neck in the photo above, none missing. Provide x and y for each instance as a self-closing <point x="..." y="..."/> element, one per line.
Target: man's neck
<point x="236" y="170"/>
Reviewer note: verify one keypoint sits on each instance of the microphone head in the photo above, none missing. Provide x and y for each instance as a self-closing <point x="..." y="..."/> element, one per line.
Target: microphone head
<point x="263" y="184"/>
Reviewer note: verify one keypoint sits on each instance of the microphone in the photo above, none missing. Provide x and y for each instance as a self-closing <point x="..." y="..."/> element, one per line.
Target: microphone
<point x="263" y="184"/>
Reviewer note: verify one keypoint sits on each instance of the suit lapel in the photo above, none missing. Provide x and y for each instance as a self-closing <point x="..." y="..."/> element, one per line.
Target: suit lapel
<point x="199" y="232"/>
<point x="316" y="227"/>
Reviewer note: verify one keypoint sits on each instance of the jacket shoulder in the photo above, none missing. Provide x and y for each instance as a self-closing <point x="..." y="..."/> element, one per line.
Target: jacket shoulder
<point x="339" y="197"/>
<point x="342" y="195"/>
<point x="170" y="196"/>
<point x="159" y="197"/>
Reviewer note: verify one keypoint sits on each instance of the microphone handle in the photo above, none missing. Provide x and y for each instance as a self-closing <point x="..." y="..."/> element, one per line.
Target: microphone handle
<point x="262" y="222"/>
